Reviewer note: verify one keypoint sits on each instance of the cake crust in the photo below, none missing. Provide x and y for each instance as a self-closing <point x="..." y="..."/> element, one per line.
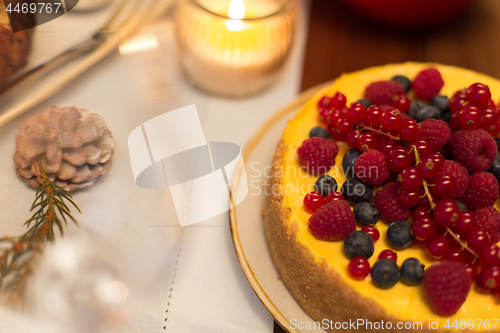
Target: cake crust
<point x="317" y="288"/>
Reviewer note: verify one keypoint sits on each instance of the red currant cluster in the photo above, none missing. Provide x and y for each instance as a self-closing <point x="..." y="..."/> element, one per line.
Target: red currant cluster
<point x="359" y="267"/>
<point x="359" y="125"/>
<point x="473" y="108"/>
<point x="313" y="200"/>
<point x="450" y="234"/>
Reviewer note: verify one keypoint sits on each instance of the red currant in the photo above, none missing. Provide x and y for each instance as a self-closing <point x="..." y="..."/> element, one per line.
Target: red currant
<point x="478" y="94"/>
<point x="338" y="100"/>
<point x="464" y="224"/>
<point x="374" y="115"/>
<point x="323" y="114"/>
<point x="444" y="185"/>
<point x="480" y="286"/>
<point x="345" y="125"/>
<point x="425" y="200"/>
<point x="454" y="122"/>
<point x="356" y="112"/>
<point x="334" y="117"/>
<point x="367" y="141"/>
<point x="401" y="102"/>
<point x="490" y="104"/>
<point x="491" y="277"/>
<point x="455" y="255"/>
<point x="385" y="144"/>
<point x="391" y="119"/>
<point x="458" y="101"/>
<point x="489" y="122"/>
<point x="388" y="254"/>
<point x="408" y="198"/>
<point x="438" y="247"/>
<point x="421" y="212"/>
<point x="470" y="117"/>
<point x="324" y="102"/>
<point x="372" y="231"/>
<point x="398" y="159"/>
<point x="490" y="255"/>
<point x="471" y="269"/>
<point x="409" y="130"/>
<point x="337" y="135"/>
<point x="430" y="165"/>
<point x="332" y="196"/>
<point x="359" y="268"/>
<point x="477" y="239"/>
<point x="446" y="212"/>
<point x="424" y="228"/>
<point x="422" y="147"/>
<point x="410" y="179"/>
<point x="312" y="201"/>
<point x="352" y="138"/>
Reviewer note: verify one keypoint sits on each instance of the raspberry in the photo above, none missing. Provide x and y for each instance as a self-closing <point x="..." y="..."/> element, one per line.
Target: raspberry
<point x="317" y="154"/>
<point x="458" y="172"/>
<point x="435" y="132"/>
<point x="382" y="92"/>
<point x="371" y="167"/>
<point x="446" y="286"/>
<point x="481" y="192"/>
<point x="387" y="203"/>
<point x="474" y="149"/>
<point x="488" y="219"/>
<point x="333" y="221"/>
<point x="427" y="84"/>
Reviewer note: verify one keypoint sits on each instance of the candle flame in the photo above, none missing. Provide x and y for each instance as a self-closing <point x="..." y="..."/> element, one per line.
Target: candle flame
<point x="236" y="9"/>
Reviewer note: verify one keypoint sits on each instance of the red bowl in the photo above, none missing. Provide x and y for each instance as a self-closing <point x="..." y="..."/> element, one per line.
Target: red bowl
<point x="410" y="13"/>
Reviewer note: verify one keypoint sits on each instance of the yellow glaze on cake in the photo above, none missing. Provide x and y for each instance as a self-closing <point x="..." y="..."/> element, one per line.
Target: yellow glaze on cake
<point x="402" y="302"/>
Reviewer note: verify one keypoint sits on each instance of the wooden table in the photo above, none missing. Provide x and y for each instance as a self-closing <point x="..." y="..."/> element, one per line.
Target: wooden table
<point x="341" y="41"/>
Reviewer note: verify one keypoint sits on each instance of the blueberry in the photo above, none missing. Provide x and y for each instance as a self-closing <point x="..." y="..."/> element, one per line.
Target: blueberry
<point x="442" y="103"/>
<point x="355" y="191"/>
<point x="427" y="113"/>
<point x="497" y="140"/>
<point x="365" y="102"/>
<point x="412" y="272"/>
<point x="319" y="132"/>
<point x="495" y="168"/>
<point x="416" y="106"/>
<point x="358" y="244"/>
<point x="385" y="273"/>
<point x="403" y="81"/>
<point x="399" y="234"/>
<point x="348" y="162"/>
<point x="447" y="117"/>
<point x="325" y="184"/>
<point x="365" y="213"/>
<point x="461" y="205"/>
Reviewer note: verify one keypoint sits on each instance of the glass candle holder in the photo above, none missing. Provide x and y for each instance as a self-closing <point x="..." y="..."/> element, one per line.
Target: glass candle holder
<point x="235" y="48"/>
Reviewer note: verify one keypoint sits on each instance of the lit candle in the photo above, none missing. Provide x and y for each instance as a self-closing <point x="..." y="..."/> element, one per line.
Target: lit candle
<point x="235" y="48"/>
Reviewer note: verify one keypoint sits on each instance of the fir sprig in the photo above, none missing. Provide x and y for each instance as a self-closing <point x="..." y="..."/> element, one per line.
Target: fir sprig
<point x="19" y="255"/>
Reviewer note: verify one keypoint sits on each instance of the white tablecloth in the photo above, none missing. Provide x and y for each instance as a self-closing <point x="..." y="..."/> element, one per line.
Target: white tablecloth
<point x="179" y="279"/>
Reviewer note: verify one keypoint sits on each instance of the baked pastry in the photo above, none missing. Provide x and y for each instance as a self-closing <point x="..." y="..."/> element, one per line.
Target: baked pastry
<point x="316" y="271"/>
<point x="14" y="47"/>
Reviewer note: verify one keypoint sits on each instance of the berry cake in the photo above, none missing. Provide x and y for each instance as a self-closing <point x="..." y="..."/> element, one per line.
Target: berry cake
<point x="384" y="201"/>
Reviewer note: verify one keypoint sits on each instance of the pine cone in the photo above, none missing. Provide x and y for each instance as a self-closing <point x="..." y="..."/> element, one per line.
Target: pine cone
<point x="74" y="146"/>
